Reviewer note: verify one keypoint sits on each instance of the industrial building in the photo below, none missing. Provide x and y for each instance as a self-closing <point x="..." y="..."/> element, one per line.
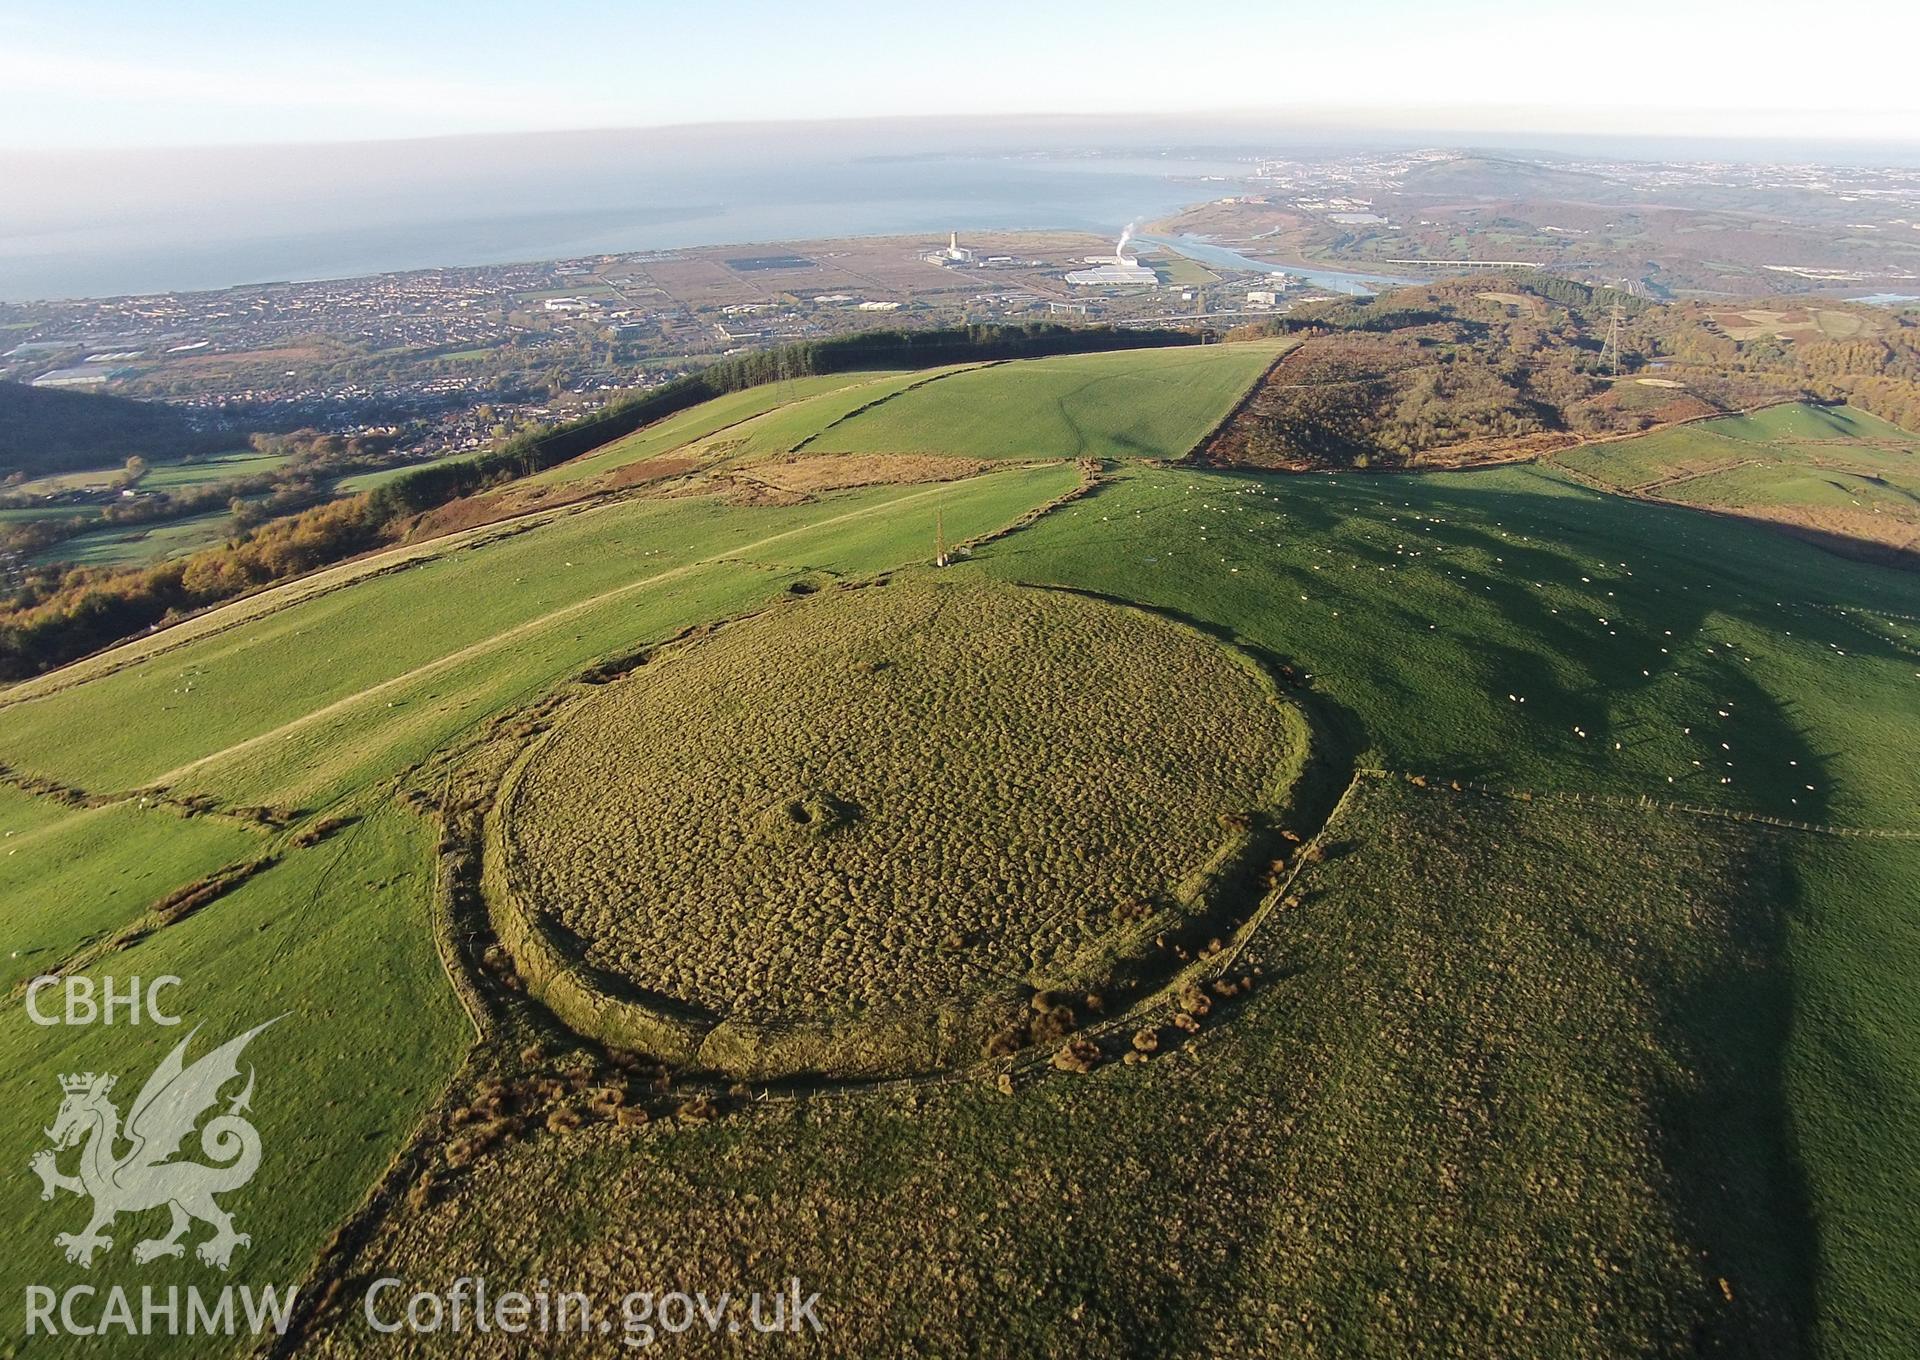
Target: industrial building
<point x="954" y="254"/>
<point x="1120" y="270"/>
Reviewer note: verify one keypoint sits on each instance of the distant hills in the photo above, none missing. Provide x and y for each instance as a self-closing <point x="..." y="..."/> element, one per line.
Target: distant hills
<point x="1500" y="177"/>
<point x="47" y="430"/>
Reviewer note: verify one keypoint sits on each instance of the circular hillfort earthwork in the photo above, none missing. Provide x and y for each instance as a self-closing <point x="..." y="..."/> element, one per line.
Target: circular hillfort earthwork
<point x="878" y="829"/>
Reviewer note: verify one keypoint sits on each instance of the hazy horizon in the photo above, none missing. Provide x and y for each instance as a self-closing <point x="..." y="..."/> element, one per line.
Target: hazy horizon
<point x="136" y="220"/>
<point x="221" y="72"/>
<point x="1768" y="134"/>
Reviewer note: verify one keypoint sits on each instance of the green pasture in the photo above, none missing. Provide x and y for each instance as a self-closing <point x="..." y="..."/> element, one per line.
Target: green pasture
<point x="87" y="872"/>
<point x="1821" y="466"/>
<point x="354" y="483"/>
<point x="93" y="479"/>
<point x="792" y="426"/>
<point x="134" y="545"/>
<point x="336" y="941"/>
<point x="1524" y="587"/>
<point x="1829" y="488"/>
<point x="1780" y="442"/>
<point x="1800" y="421"/>
<point x="1522" y="1075"/>
<point x="1153" y="403"/>
<point x="160" y="476"/>
<point x="699" y="422"/>
<point x="1421" y="603"/>
<point x="202" y="472"/>
<point x="20" y="514"/>
<point x="1682" y="450"/>
<point x="415" y="656"/>
<point x="1852" y="1083"/>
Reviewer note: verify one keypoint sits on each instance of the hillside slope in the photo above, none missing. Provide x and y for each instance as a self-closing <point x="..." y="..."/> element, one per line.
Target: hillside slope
<point x="47" y="429"/>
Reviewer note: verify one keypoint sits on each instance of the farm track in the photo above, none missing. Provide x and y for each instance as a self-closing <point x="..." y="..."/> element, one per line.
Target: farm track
<point x="1659" y="484"/>
<point x="488" y="644"/>
<point x="1897" y="554"/>
<point x="284" y="595"/>
<point x="886" y="397"/>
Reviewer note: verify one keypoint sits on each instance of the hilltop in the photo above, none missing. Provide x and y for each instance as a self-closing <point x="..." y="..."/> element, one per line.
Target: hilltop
<point x="1209" y="889"/>
<point x="48" y="429"/>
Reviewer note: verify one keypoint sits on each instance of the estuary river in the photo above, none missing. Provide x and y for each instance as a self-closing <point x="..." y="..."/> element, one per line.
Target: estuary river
<point x="1333" y="280"/>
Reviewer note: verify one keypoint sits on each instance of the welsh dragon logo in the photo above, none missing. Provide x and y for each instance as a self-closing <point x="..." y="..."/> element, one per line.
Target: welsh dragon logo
<point x="149" y="1174"/>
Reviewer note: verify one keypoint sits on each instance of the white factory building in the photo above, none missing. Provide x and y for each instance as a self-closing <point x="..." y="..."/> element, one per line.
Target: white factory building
<point x="955" y="253"/>
<point x="1119" y="270"/>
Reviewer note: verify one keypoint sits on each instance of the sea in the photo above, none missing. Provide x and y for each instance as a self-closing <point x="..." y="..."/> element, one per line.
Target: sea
<point x="85" y="224"/>
<point x="217" y="222"/>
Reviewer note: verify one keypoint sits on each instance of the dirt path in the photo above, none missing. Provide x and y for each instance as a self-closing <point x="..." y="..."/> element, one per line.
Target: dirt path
<point x="519" y="630"/>
<point x="242" y="610"/>
<point x="1659" y="484"/>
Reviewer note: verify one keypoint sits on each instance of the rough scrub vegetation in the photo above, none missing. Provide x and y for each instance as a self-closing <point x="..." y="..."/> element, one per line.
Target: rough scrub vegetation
<point x="890" y="796"/>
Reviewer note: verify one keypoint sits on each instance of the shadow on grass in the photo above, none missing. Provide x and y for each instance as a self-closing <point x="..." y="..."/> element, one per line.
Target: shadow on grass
<point x="1738" y="1185"/>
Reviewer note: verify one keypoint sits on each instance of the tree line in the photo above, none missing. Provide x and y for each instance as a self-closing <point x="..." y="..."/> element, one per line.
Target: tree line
<point x="536" y="450"/>
<point x="56" y="618"/>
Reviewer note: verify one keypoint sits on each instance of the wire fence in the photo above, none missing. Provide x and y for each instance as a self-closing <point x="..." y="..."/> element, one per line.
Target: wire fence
<point x="1640" y="802"/>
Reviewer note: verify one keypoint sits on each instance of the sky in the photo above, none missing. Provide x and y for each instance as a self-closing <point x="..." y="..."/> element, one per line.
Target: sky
<point x="136" y="73"/>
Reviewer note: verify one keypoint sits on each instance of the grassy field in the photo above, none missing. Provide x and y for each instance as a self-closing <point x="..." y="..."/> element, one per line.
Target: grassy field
<point x="1142" y="403"/>
<point x="21" y="513"/>
<point x="366" y="481"/>
<point x="201" y="472"/>
<point x="1429" y="607"/>
<point x="1852" y="1082"/>
<point x="336" y="939"/>
<point x="93" y="479"/>
<point x="1580" y="1057"/>
<point x="130" y="545"/>
<point x="793" y="426"/>
<point x="698" y="423"/>
<point x="336" y="932"/>
<point x="1179" y="271"/>
<point x="1136" y="404"/>
<point x="419" y="655"/>
<point x="1788" y="437"/>
<point x="224" y="467"/>
<point x="1840" y="474"/>
<point x="1705" y="650"/>
<point x="85" y="873"/>
<point x="1487" y="1097"/>
<point x="1799" y="421"/>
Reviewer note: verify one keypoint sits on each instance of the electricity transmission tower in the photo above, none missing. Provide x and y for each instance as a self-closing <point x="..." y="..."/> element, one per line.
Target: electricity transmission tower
<point x="1610" y="352"/>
